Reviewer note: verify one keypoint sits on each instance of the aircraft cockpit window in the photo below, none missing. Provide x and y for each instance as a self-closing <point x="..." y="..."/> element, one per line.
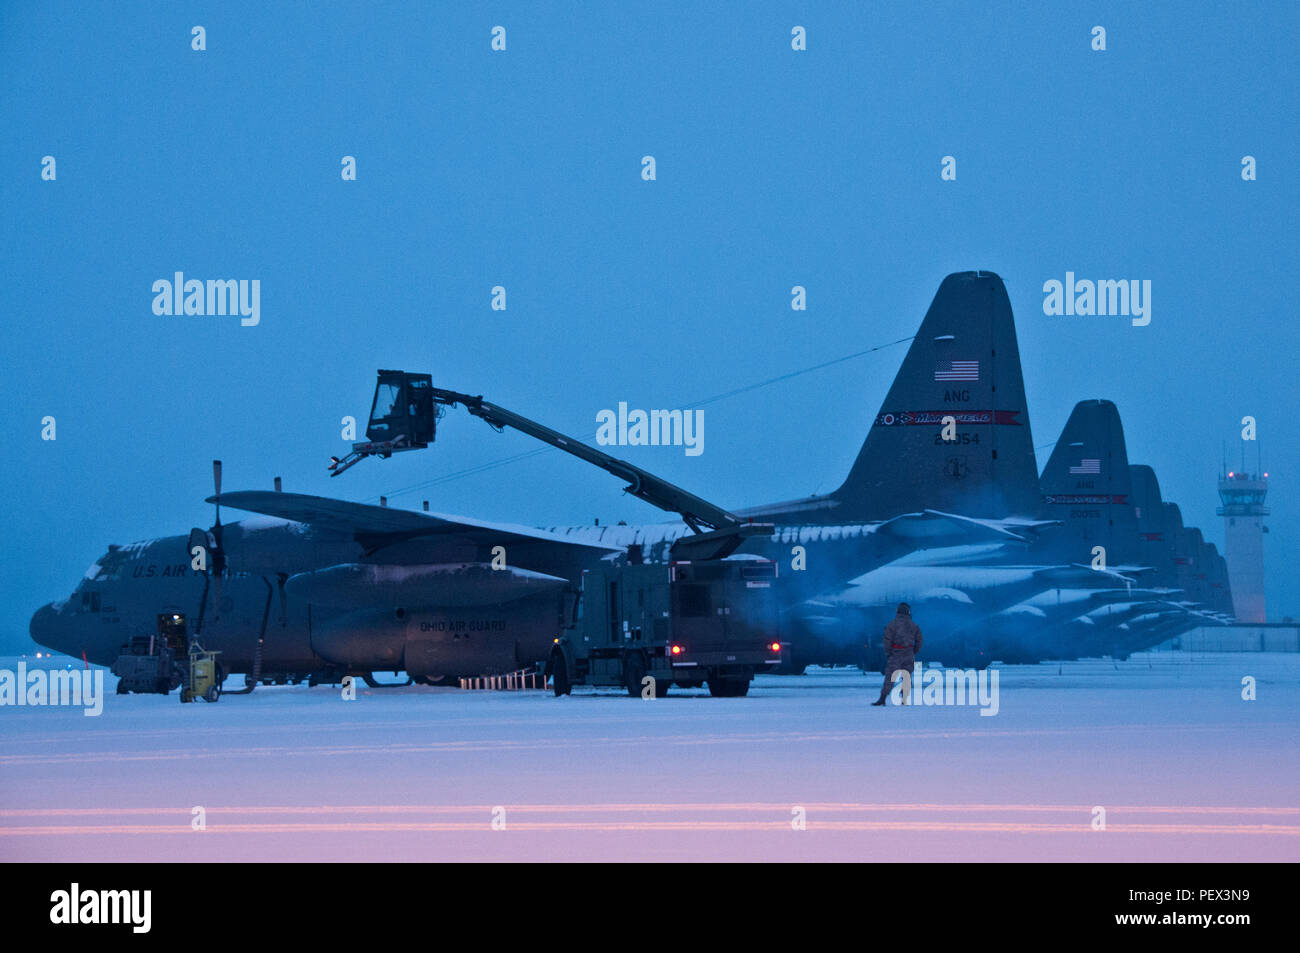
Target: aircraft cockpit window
<point x="107" y="566"/>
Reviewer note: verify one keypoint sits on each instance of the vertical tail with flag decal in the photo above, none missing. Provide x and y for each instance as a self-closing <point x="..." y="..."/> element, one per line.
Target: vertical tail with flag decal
<point x="1087" y="485"/>
<point x="965" y="364"/>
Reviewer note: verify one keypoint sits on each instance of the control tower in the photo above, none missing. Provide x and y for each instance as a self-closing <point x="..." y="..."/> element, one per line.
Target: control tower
<point x="1243" y="513"/>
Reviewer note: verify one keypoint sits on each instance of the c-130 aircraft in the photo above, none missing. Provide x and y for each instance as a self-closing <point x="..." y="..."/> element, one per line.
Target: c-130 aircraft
<point x="1030" y="589"/>
<point x="315" y="587"/>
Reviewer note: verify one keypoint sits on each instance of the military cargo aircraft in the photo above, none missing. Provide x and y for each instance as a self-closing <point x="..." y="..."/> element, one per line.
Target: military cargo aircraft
<point x="942" y="508"/>
<point x="1035" y="587"/>
<point x="1101" y="580"/>
<point x="331" y="588"/>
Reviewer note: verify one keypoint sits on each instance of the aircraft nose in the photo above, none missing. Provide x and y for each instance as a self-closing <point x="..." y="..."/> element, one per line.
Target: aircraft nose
<point x="44" y="627"/>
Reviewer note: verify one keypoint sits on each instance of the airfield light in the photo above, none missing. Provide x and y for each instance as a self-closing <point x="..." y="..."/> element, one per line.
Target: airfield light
<point x="1230" y="474"/>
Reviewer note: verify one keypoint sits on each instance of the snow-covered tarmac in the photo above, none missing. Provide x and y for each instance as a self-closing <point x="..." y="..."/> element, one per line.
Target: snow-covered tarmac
<point x="1183" y="766"/>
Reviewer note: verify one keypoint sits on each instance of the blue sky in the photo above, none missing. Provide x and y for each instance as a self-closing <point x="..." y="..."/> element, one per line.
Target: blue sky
<point x="522" y="169"/>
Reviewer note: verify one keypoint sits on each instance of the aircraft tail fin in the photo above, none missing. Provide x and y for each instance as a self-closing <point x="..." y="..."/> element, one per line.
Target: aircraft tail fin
<point x="963" y="363"/>
<point x="1088" y="484"/>
<point x="1155" y="535"/>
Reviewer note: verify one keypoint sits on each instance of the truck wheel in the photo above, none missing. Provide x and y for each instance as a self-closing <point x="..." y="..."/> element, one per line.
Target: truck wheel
<point x="212" y="694"/>
<point x="633" y="672"/>
<point x="560" y="676"/>
<point x="728" y="687"/>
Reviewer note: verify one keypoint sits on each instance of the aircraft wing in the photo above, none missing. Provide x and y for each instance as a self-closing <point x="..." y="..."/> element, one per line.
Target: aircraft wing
<point x="365" y="520"/>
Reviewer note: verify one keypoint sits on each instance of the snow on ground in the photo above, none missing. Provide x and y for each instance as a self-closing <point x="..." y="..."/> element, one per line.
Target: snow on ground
<point x="1185" y="769"/>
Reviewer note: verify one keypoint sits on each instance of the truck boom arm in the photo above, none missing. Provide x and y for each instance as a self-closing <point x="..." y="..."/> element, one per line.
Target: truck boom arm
<point x="695" y="512"/>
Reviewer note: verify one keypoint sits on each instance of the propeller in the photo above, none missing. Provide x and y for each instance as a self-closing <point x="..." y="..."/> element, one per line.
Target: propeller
<point x="218" y="564"/>
<point x="216" y="483"/>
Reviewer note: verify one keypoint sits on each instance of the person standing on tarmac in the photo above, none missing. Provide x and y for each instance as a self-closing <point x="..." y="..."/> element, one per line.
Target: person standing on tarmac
<point x="902" y="641"/>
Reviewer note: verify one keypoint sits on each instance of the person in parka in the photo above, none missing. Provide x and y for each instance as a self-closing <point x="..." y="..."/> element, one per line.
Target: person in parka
<point x="902" y="641"/>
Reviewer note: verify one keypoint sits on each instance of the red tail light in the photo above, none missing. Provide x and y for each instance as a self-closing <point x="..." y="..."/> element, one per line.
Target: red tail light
<point x="676" y="650"/>
<point x="775" y="646"/>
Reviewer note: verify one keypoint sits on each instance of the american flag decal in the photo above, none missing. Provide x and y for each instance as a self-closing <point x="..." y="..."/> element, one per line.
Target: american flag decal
<point x="957" y="371"/>
<point x="1085" y="467"/>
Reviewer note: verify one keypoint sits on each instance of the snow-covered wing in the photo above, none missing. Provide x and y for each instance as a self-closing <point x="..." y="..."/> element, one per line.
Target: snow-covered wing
<point x="364" y="519"/>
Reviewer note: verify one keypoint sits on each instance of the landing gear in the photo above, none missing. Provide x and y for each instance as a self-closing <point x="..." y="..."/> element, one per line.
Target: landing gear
<point x="435" y="680"/>
<point x="370" y="680"/>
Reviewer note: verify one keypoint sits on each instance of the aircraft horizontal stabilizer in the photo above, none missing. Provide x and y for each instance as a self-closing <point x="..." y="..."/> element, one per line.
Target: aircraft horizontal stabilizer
<point x="1118" y="574"/>
<point x="1078" y="576"/>
<point x="943" y="528"/>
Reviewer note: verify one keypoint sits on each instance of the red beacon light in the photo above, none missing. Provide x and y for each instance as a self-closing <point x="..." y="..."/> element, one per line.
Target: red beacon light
<point x="676" y="650"/>
<point x="775" y="646"/>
